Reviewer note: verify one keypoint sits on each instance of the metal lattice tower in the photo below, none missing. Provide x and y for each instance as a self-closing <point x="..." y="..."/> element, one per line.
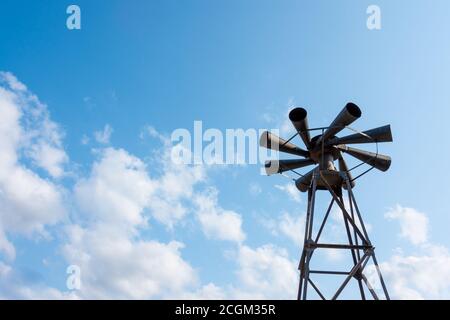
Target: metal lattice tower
<point x="322" y="151"/>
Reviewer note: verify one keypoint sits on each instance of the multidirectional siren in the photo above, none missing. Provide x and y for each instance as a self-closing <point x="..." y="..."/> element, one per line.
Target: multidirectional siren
<point x="324" y="149"/>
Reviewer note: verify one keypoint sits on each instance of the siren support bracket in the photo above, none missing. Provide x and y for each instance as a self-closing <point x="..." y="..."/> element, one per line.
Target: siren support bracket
<point x="289" y="140"/>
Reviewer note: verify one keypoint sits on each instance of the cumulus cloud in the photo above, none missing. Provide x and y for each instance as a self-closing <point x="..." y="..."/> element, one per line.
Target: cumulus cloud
<point x="113" y="205"/>
<point x="29" y="201"/>
<point x="117" y="190"/>
<point x="116" y="199"/>
<point x="265" y="273"/>
<point x="209" y="291"/>
<point x="216" y="222"/>
<point x="424" y="274"/>
<point x="12" y="81"/>
<point x="174" y="194"/>
<point x="413" y="224"/>
<point x="49" y="158"/>
<point x="114" y="265"/>
<point x="150" y="131"/>
<point x="14" y="285"/>
<point x="293" y="227"/>
<point x="287" y="225"/>
<point x="291" y="190"/>
<point x="28" y="132"/>
<point x="120" y="187"/>
<point x="6" y="246"/>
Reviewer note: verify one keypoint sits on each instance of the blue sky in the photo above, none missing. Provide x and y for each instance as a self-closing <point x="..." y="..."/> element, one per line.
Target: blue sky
<point x="230" y="64"/>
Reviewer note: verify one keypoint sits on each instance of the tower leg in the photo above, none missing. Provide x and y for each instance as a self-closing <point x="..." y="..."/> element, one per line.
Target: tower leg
<point x="307" y="250"/>
<point x="359" y="244"/>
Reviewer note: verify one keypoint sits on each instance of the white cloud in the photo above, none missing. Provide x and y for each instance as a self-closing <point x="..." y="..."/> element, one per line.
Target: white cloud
<point x="208" y="292"/>
<point x="413" y="224"/>
<point x="120" y="188"/>
<point x="12" y="81"/>
<point x="114" y="202"/>
<point x="265" y="273"/>
<point x="216" y="222"/>
<point x="287" y="225"/>
<point x="28" y="131"/>
<point x="292" y="227"/>
<point x="6" y="246"/>
<point x="116" y="198"/>
<point x="28" y="201"/>
<point x="104" y="136"/>
<point x="115" y="263"/>
<point x="50" y="158"/>
<point x="115" y="266"/>
<point x="422" y="275"/>
<point x="151" y="132"/>
<point x="174" y="188"/>
<point x="117" y="190"/>
<point x="15" y="285"/>
<point x="291" y="190"/>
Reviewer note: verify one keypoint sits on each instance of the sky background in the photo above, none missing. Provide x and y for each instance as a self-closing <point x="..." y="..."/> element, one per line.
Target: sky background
<point x="86" y="177"/>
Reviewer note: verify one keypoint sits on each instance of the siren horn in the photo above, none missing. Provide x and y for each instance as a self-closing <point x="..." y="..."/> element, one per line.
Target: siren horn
<point x="271" y="141"/>
<point x="279" y="166"/>
<point x="379" y="161"/>
<point x="380" y="134"/>
<point x="298" y="117"/>
<point x="348" y="115"/>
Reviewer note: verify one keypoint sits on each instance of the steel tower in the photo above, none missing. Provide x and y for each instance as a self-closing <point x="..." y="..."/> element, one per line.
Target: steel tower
<point x="322" y="151"/>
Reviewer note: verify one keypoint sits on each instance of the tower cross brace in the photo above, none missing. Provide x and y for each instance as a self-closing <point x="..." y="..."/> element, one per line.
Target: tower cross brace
<point x="362" y="250"/>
